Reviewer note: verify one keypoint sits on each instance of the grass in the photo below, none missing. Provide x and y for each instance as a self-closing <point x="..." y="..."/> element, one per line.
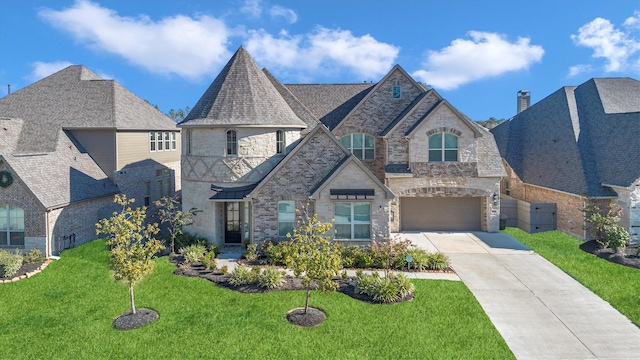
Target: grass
<point x="617" y="284"/>
<point x="67" y="312"/>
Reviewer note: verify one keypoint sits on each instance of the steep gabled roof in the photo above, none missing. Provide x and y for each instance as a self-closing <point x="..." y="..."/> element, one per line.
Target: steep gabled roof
<point x="330" y="103"/>
<point x="401" y="117"/>
<point x="242" y="96"/>
<point x="477" y="130"/>
<point x="76" y="98"/>
<point x="578" y="139"/>
<point x="57" y="178"/>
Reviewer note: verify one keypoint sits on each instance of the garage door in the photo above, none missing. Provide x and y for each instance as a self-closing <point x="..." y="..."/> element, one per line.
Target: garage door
<point x="452" y="214"/>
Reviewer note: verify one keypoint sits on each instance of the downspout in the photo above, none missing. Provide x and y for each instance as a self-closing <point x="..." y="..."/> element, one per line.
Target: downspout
<point x="47" y="241"/>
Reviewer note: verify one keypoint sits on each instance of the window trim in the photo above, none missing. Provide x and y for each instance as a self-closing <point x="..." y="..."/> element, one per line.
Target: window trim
<point x="287" y="221"/>
<point x="232" y="143"/>
<point x="352" y="223"/>
<point x="162" y="141"/>
<point x="364" y="148"/>
<point x="280" y="142"/>
<point x="443" y="147"/>
<point x="6" y="210"/>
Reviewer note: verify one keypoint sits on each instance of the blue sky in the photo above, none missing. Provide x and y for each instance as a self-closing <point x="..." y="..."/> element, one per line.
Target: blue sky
<point x="477" y="54"/>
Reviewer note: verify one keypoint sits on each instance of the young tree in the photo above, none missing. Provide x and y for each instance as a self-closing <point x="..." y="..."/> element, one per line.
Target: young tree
<point x="311" y="255"/>
<point x="170" y="212"/>
<point x="132" y="243"/>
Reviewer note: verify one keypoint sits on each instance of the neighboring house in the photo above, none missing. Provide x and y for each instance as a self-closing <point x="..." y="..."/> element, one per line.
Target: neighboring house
<point x="579" y="145"/>
<point x="67" y="144"/>
<point x="376" y="158"/>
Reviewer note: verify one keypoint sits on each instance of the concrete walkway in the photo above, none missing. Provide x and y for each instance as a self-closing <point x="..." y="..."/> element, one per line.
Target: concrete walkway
<point x="540" y="311"/>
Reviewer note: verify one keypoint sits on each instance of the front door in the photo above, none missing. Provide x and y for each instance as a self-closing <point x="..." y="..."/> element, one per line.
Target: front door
<point x="232" y="229"/>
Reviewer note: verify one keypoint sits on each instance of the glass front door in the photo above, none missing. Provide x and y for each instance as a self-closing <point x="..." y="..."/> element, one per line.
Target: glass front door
<point x="232" y="229"/>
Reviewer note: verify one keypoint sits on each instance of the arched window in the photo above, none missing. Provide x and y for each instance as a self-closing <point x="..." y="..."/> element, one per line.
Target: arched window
<point x="280" y="144"/>
<point x="360" y="145"/>
<point x="232" y="143"/>
<point x="443" y="147"/>
<point x="11" y="225"/>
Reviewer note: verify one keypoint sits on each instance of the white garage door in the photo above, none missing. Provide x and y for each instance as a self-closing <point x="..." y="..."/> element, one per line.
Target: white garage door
<point x="449" y="214"/>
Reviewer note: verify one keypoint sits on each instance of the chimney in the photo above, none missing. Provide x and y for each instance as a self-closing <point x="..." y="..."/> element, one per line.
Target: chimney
<point x="524" y="100"/>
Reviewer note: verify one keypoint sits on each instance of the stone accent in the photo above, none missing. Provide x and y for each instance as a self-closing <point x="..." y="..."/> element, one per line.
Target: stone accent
<point x="445" y="169"/>
<point x="629" y="200"/>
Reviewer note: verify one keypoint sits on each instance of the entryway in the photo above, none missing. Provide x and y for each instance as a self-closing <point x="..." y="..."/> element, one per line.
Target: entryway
<point x="236" y="222"/>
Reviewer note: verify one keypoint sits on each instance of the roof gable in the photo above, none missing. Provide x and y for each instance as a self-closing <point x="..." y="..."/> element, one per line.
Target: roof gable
<point x="298" y="107"/>
<point x="242" y="95"/>
<point x="434" y="110"/>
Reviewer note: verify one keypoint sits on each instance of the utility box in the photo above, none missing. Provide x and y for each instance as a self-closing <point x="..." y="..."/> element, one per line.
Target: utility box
<point x="536" y="217"/>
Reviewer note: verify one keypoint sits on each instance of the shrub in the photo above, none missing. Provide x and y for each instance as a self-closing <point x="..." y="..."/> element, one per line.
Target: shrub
<point x="350" y="255"/>
<point x="419" y="258"/>
<point x="386" y="254"/>
<point x="254" y="276"/>
<point x="251" y="253"/>
<point x="213" y="248"/>
<point x="209" y="260"/>
<point x="224" y="269"/>
<point x="384" y="289"/>
<point x="617" y="237"/>
<point x="193" y="253"/>
<point x="365" y="260"/>
<point x="186" y="239"/>
<point x="276" y="253"/>
<point x="240" y="276"/>
<point x="34" y="256"/>
<point x="437" y="261"/>
<point x="270" y="278"/>
<point x="10" y="263"/>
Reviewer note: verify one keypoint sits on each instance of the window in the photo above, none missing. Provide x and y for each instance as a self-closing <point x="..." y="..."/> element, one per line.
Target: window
<point x="443" y="147"/>
<point x="361" y="145"/>
<point x="396" y="92"/>
<point x="280" y="142"/>
<point x="232" y="143"/>
<point x="11" y="225"/>
<point x="286" y="217"/>
<point x="152" y="140"/>
<point x="163" y="183"/>
<point x="159" y="141"/>
<point x="189" y="142"/>
<point x="147" y="193"/>
<point x="353" y="220"/>
<point x="162" y="140"/>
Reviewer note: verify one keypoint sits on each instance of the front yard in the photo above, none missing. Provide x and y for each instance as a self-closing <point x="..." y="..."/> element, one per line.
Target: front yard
<point x="67" y="312"/>
<point x="616" y="284"/>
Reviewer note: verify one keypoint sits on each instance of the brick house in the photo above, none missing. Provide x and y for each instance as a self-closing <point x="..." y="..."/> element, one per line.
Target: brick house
<point x="67" y="144"/>
<point x="377" y="158"/>
<point x="579" y="145"/>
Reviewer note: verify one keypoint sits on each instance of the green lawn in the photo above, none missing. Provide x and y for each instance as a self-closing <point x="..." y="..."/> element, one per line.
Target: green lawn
<point x="619" y="285"/>
<point x="67" y="312"/>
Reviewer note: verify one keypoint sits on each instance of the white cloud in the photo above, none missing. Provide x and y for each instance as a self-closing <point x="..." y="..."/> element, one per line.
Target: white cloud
<point x="253" y="8"/>
<point x="44" y="69"/>
<point x="579" y="69"/>
<point x="279" y="11"/>
<point x="484" y="55"/>
<point x="188" y="47"/>
<point x="619" y="47"/>
<point x="323" y="50"/>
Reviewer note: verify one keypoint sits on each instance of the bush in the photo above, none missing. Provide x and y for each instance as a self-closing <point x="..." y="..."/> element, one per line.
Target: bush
<point x="193" y="253"/>
<point x="251" y="253"/>
<point x="34" y="256"/>
<point x="224" y="269"/>
<point x="276" y="253"/>
<point x="209" y="260"/>
<point x="384" y="289"/>
<point x="419" y="258"/>
<point x="186" y="239"/>
<point x="387" y="254"/>
<point x="437" y="261"/>
<point x="617" y="237"/>
<point x="270" y="278"/>
<point x="240" y="276"/>
<point x="213" y="248"/>
<point x="365" y="260"/>
<point x="349" y="255"/>
<point x="10" y="263"/>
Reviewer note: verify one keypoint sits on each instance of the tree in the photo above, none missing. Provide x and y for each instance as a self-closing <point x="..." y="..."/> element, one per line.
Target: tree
<point x="132" y="243"/>
<point x="311" y="255"/>
<point x="170" y="212"/>
<point x="178" y="115"/>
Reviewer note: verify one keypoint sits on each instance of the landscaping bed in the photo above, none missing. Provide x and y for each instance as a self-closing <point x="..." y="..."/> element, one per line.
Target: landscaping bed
<point x="629" y="257"/>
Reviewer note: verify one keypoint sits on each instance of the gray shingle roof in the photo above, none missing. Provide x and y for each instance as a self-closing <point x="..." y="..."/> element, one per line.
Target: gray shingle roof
<point x="578" y="138"/>
<point x="242" y="95"/>
<point x="330" y="102"/>
<point x="57" y="178"/>
<point x="298" y="107"/>
<point x="72" y="98"/>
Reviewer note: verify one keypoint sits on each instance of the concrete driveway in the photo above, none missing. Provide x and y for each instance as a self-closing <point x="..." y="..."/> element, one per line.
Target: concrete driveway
<point x="540" y="311"/>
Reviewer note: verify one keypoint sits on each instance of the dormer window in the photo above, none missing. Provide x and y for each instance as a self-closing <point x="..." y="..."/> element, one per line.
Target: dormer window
<point x="280" y="144"/>
<point x="360" y="145"/>
<point x="443" y="147"/>
<point x="232" y="143"/>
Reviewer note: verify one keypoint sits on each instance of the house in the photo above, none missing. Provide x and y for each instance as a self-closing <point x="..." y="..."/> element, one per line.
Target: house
<point x="68" y="143"/>
<point x="578" y="146"/>
<point x="376" y="158"/>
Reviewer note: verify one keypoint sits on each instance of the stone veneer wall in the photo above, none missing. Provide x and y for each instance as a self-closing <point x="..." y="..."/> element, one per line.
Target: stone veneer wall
<point x="294" y="181"/>
<point x="17" y="194"/>
<point x="629" y="200"/>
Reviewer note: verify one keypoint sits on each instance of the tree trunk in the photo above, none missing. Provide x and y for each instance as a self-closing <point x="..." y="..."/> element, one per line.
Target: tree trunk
<point x="133" y="306"/>
<point x="306" y="303"/>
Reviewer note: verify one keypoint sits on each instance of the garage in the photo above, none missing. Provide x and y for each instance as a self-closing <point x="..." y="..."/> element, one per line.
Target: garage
<point x="440" y="213"/>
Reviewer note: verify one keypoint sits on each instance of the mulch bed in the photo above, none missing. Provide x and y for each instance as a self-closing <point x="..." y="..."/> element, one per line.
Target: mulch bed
<point x="129" y="321"/>
<point x="628" y="258"/>
<point x="24" y="270"/>
<point x="345" y="286"/>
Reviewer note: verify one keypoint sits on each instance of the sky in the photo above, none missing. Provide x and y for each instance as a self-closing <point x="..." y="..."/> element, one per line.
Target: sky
<point x="476" y="54"/>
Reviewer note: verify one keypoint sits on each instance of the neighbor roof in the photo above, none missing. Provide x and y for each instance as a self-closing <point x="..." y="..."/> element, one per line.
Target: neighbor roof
<point x="76" y="98"/>
<point x="242" y="95"/>
<point x="578" y="139"/>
